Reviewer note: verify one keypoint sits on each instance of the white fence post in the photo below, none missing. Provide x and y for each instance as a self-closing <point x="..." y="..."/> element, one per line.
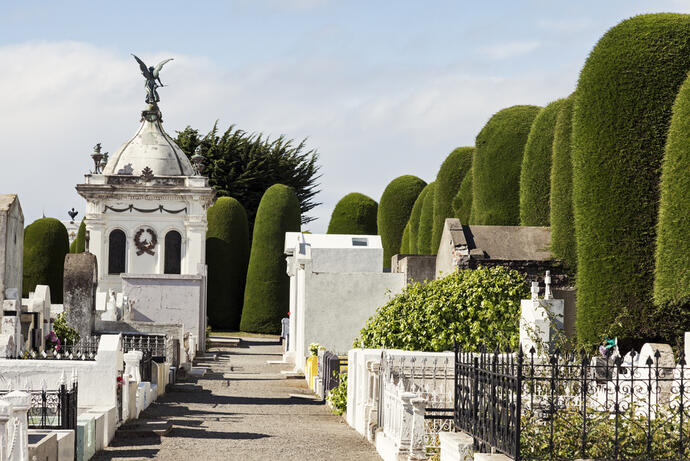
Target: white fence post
<point x="5" y="415"/>
<point x="418" y="429"/>
<point x="18" y="446"/>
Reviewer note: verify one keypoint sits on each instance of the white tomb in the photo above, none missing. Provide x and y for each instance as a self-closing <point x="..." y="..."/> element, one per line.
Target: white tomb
<point x="540" y="318"/>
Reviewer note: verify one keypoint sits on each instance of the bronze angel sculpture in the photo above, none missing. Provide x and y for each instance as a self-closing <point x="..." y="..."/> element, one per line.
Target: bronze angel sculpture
<point x="153" y="81"/>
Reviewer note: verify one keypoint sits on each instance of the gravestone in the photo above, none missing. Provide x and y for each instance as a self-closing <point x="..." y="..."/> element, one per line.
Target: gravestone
<point x="541" y="319"/>
<point x="79" y="291"/>
<point x="11" y="245"/>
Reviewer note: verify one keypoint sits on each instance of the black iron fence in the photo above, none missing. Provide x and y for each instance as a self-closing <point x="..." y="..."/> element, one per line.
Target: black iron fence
<point x="86" y="348"/>
<point x="330" y="368"/>
<point x="571" y="406"/>
<point x="53" y="409"/>
<point x="152" y="346"/>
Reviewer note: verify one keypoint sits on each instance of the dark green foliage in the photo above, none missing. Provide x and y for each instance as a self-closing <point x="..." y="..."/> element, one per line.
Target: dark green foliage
<point x="45" y="245"/>
<point x="79" y="243"/>
<point x="561" y="196"/>
<point x="415" y="216"/>
<point x="354" y="214"/>
<point x="621" y="118"/>
<point x="448" y="181"/>
<point x="405" y="244"/>
<point x="496" y="166"/>
<point x="672" y="282"/>
<point x="243" y="166"/>
<point x="394" y="211"/>
<point x="426" y="222"/>
<point x="535" y="174"/>
<point x="462" y="203"/>
<point x="266" y="296"/>
<point x="227" y="257"/>
<point x="475" y="308"/>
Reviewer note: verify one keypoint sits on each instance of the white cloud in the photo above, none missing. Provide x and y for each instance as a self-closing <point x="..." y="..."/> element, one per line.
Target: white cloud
<point x="59" y="99"/>
<point x="507" y="50"/>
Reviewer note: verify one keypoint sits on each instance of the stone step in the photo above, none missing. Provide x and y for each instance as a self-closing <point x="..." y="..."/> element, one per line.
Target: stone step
<point x="223" y="341"/>
<point x="144" y="428"/>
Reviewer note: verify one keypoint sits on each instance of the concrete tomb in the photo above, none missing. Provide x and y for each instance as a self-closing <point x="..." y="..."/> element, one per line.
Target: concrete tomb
<point x="79" y="291"/>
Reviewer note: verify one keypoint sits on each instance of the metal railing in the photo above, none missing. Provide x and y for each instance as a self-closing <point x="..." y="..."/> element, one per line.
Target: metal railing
<point x="152" y="346"/>
<point x="571" y="406"/>
<point x="330" y="368"/>
<point x="53" y="409"/>
<point x="84" y="349"/>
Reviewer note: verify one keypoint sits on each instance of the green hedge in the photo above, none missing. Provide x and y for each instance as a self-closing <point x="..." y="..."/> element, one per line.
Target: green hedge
<point x="266" y="296"/>
<point x="394" y="211"/>
<point x="415" y="216"/>
<point x="462" y="203"/>
<point x="475" y="308"/>
<point x="561" y="196"/>
<point x="227" y="257"/>
<point x="405" y="244"/>
<point x="496" y="166"/>
<point x="622" y="113"/>
<point x="354" y="214"/>
<point x="79" y="243"/>
<point x="672" y="277"/>
<point x="448" y="180"/>
<point x="46" y="243"/>
<point x="535" y="174"/>
<point x="426" y="222"/>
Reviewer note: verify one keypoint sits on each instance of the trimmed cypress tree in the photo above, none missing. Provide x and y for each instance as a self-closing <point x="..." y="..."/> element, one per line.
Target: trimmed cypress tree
<point x="448" y="181"/>
<point x="394" y="211"/>
<point x="405" y="245"/>
<point x="496" y="166"/>
<point x="535" y="174"/>
<point x="561" y="195"/>
<point x="426" y="222"/>
<point x="227" y="257"/>
<point x="622" y="114"/>
<point x="46" y="243"/>
<point x="415" y="217"/>
<point x="79" y="243"/>
<point x="354" y="214"/>
<point x="266" y="295"/>
<point x="672" y="274"/>
<point x="462" y="203"/>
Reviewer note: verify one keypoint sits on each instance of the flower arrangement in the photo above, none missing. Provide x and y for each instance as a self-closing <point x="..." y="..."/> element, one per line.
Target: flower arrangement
<point x="53" y="342"/>
<point x="119" y="384"/>
<point x="314" y="349"/>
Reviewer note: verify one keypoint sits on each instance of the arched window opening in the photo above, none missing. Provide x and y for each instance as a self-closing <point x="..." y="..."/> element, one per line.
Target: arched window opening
<point x="173" y="252"/>
<point x="117" y="243"/>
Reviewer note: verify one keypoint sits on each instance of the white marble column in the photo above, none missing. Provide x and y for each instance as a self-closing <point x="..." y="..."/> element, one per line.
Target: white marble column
<point x="19" y="442"/>
<point x="5" y="416"/>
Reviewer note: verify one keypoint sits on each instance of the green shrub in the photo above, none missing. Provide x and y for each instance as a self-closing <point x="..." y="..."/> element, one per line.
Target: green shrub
<point x="337" y="397"/>
<point x="535" y="174"/>
<point x="354" y="214"/>
<point x="622" y="113"/>
<point x="405" y="244"/>
<point x="394" y="212"/>
<point x="266" y="296"/>
<point x="672" y="276"/>
<point x="448" y="180"/>
<point x="426" y="222"/>
<point x="64" y="331"/>
<point x="45" y="245"/>
<point x="79" y="243"/>
<point x="227" y="257"/>
<point x="415" y="217"/>
<point x="462" y="203"/>
<point x="561" y="196"/>
<point x="476" y="308"/>
<point x="496" y="166"/>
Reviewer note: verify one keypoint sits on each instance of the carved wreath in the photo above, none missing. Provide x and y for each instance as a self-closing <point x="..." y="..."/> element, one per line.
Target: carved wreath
<point x="144" y="246"/>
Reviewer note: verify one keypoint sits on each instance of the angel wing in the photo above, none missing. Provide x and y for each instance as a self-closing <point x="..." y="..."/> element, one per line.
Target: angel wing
<point x="160" y="65"/>
<point x="144" y="69"/>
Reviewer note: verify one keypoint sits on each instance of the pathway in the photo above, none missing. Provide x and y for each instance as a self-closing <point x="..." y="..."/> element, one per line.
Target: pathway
<point x="241" y="410"/>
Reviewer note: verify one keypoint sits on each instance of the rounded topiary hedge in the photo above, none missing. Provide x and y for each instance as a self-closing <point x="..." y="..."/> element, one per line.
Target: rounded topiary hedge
<point x="46" y="243"/>
<point x="426" y="222"/>
<point x="462" y="203"/>
<point x="448" y="181"/>
<point x="622" y="114"/>
<point x="79" y="243"/>
<point x="496" y="166"/>
<point x="405" y="243"/>
<point x="266" y="295"/>
<point x="672" y="274"/>
<point x="415" y="216"/>
<point x="227" y="257"/>
<point x="535" y="174"/>
<point x="475" y="308"/>
<point x="561" y="195"/>
<point x="354" y="214"/>
<point x="394" y="211"/>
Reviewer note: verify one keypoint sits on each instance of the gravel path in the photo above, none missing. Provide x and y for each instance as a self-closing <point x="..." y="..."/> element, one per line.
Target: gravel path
<point x="241" y="410"/>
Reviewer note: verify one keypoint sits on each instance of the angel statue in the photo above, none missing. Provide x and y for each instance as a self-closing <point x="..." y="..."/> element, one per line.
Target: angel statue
<point x="153" y="81"/>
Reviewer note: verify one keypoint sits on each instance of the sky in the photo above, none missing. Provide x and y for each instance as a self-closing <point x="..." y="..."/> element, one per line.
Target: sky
<point x="379" y="88"/>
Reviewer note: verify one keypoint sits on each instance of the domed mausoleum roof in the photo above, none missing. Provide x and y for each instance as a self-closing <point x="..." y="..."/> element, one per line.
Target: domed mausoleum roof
<point x="150" y="147"/>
